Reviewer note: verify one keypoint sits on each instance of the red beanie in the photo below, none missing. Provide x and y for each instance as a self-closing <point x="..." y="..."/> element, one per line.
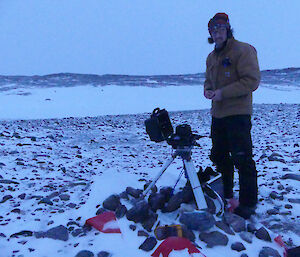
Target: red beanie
<point x="219" y="19"/>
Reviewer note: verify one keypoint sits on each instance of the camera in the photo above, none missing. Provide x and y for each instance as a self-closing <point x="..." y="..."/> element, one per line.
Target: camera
<point x="159" y="128"/>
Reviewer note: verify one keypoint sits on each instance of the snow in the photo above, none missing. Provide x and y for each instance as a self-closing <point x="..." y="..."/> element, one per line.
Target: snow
<point x="119" y="154"/>
<point x="85" y="100"/>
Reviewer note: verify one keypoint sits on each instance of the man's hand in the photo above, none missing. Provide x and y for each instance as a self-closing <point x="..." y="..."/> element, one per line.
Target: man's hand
<point x="217" y="95"/>
<point x="209" y="94"/>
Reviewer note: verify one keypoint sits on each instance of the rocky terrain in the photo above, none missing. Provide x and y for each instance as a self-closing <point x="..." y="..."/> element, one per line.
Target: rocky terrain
<point x="48" y="168"/>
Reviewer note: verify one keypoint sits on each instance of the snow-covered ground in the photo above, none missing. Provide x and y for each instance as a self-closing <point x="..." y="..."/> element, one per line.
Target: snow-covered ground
<point x="76" y="146"/>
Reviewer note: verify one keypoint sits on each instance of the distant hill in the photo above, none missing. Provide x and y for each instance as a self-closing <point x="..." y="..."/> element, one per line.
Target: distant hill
<point x="287" y="77"/>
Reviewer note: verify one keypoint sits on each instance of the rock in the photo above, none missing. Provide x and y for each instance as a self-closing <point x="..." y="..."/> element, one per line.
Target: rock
<point x="244" y="255"/>
<point x="214" y="238"/>
<point x="64" y="197"/>
<point x="237" y="246"/>
<point x="272" y="211"/>
<point x="136" y="193"/>
<point x="274" y="195"/>
<point x="246" y="236"/>
<point x="167" y="192"/>
<point x="57" y="233"/>
<point x="291" y="176"/>
<point x="268" y="252"/>
<point x="6" y="198"/>
<point x="149" y="223"/>
<point x="142" y="233"/>
<point x="100" y="210"/>
<point x="251" y="228"/>
<point x="294" y="200"/>
<point x="121" y="211"/>
<point x="199" y="221"/>
<point x="263" y="234"/>
<point x="77" y="232"/>
<point x="7" y="181"/>
<point x="139" y="212"/>
<point x="124" y="195"/>
<point x="157" y="201"/>
<point x="22" y="196"/>
<point x="288" y="206"/>
<point x="148" y="244"/>
<point x="132" y="227"/>
<point x="104" y="254"/>
<point x="85" y="253"/>
<point x="71" y="205"/>
<point x="276" y="157"/>
<point x="174" y="203"/>
<point x="25" y="233"/>
<point x="2" y="235"/>
<point x="45" y="201"/>
<point x="16" y="210"/>
<point x="237" y="223"/>
<point x="223" y="226"/>
<point x="187" y="233"/>
<point x="112" y="202"/>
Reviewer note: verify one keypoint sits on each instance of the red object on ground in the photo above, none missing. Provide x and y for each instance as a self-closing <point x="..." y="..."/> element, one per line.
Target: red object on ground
<point x="280" y="242"/>
<point x="232" y="204"/>
<point x="174" y="243"/>
<point x="105" y="222"/>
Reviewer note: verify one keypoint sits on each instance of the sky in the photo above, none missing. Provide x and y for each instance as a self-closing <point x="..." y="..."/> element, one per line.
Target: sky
<point x="138" y="37"/>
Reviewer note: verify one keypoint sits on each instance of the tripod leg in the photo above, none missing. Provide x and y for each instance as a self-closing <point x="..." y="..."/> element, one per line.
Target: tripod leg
<point x="166" y="165"/>
<point x="196" y="186"/>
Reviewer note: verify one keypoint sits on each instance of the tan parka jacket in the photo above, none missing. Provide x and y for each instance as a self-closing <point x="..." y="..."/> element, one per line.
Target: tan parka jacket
<point x="235" y="71"/>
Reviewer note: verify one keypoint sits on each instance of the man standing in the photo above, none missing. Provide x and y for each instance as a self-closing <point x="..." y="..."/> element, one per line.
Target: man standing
<point x="232" y="74"/>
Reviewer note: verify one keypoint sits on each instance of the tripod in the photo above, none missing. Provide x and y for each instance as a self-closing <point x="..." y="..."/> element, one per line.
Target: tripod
<point x="185" y="153"/>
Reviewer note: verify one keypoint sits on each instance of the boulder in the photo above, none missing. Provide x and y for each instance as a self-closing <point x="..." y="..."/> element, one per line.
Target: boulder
<point x="199" y="221"/>
<point x="148" y="244"/>
<point x="112" y="202"/>
<point x="214" y="238"/>
<point x="56" y="233"/>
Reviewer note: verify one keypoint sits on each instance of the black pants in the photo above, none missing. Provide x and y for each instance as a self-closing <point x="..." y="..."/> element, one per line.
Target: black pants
<point x="232" y="146"/>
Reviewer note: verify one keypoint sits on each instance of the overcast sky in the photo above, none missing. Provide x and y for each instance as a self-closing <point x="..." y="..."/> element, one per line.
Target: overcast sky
<point x="141" y="37"/>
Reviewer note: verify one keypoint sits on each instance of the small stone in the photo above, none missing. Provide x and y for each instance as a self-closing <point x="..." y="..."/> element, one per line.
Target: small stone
<point x="85" y="253"/>
<point x="25" y="233"/>
<point x="112" y="202"/>
<point x="77" y="232"/>
<point x="104" y="254"/>
<point x="237" y="246"/>
<point x="16" y="210"/>
<point x="246" y="236"/>
<point x="288" y="206"/>
<point x="268" y="252"/>
<point x="132" y="227"/>
<point x="64" y="197"/>
<point x="100" y="211"/>
<point x="244" y="255"/>
<point x="22" y="196"/>
<point x="274" y="195"/>
<point x="251" y="228"/>
<point x="199" y="221"/>
<point x="273" y="211"/>
<point x="2" y="235"/>
<point x="57" y="233"/>
<point x="6" y="198"/>
<point x="121" y="211"/>
<point x="291" y="176"/>
<point x="71" y="205"/>
<point x="214" y="238"/>
<point x="136" y="193"/>
<point x="7" y="181"/>
<point x="237" y="223"/>
<point x="148" y="244"/>
<point x="46" y="201"/>
<point x="263" y="234"/>
<point x="143" y="233"/>
<point x="294" y="200"/>
<point x="223" y="226"/>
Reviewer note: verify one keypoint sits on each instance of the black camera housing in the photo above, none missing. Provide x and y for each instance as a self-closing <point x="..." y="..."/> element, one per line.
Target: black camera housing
<point x="159" y="126"/>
